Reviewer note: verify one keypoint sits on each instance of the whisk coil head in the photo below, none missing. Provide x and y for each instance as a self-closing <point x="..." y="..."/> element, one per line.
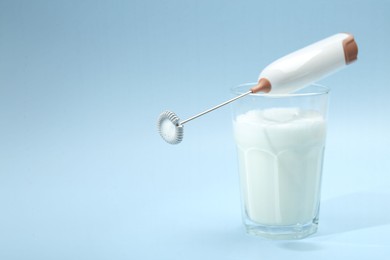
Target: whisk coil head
<point x="169" y="127"/>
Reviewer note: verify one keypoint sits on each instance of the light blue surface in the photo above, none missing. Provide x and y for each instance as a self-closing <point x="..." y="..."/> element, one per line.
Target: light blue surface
<point x="84" y="174"/>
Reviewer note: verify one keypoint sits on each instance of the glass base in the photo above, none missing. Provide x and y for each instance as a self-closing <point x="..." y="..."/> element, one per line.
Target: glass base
<point x="282" y="232"/>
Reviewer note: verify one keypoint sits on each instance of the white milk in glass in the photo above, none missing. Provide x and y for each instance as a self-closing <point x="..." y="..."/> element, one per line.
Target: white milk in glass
<point x="280" y="153"/>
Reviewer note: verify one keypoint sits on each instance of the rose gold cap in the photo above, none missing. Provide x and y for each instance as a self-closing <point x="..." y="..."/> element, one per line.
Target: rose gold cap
<point x="263" y="85"/>
<point x="350" y="49"/>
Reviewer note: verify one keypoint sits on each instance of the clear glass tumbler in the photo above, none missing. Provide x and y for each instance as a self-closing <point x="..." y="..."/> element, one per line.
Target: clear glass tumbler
<point x="280" y="143"/>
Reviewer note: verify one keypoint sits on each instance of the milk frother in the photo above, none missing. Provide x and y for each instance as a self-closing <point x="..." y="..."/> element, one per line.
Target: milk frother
<point x="285" y="75"/>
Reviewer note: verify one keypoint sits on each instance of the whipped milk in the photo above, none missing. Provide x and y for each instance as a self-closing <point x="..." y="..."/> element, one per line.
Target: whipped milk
<point x="280" y="153"/>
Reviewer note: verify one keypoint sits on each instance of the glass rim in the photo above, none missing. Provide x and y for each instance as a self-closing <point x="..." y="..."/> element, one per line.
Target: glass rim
<point x="305" y="91"/>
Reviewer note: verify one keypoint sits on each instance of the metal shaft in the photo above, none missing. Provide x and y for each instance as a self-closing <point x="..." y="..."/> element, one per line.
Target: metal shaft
<point x="216" y="107"/>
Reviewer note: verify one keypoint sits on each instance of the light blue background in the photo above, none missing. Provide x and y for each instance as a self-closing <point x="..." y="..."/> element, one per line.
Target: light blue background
<point x="84" y="174"/>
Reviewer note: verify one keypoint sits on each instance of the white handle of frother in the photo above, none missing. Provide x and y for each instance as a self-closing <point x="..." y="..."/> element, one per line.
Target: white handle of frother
<point x="307" y="65"/>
